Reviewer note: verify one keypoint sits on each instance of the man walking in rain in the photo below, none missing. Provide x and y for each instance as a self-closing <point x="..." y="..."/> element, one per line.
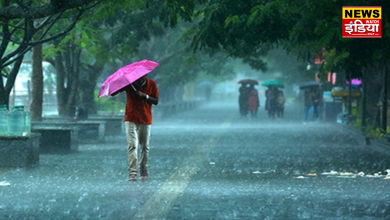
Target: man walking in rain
<point x="140" y="95"/>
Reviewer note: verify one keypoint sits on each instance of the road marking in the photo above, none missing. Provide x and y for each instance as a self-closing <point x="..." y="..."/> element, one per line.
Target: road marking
<point x="158" y="206"/>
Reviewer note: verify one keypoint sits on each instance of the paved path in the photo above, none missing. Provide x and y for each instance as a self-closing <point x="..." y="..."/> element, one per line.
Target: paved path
<point x="211" y="164"/>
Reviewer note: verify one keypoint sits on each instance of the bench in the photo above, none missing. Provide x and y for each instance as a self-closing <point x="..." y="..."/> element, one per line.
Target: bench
<point x="19" y="151"/>
<point x="57" y="139"/>
<point x="113" y="123"/>
<point x="91" y="131"/>
<point x="88" y="131"/>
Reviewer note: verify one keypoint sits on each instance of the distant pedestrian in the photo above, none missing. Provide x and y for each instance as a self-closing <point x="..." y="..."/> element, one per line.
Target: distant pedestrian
<point x="280" y="100"/>
<point x="141" y="94"/>
<point x="308" y="99"/>
<point x="317" y="103"/>
<point x="253" y="101"/>
<point x="243" y="100"/>
<point x="270" y="102"/>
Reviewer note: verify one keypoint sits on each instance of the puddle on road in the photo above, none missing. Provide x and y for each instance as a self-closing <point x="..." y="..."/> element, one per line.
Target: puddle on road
<point x="334" y="174"/>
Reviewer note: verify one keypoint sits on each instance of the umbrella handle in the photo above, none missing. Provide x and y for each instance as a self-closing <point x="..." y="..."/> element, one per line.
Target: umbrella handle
<point x="135" y="90"/>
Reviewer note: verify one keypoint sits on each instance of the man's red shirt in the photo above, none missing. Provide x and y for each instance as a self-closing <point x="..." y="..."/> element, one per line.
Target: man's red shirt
<point x="138" y="110"/>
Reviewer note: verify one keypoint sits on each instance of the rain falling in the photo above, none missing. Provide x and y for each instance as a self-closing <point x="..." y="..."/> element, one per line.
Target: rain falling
<point x="197" y="110"/>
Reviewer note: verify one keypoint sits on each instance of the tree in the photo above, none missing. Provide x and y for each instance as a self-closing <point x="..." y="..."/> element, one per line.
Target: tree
<point x="359" y="57"/>
<point x="303" y="27"/>
<point x="108" y="28"/>
<point x="21" y="21"/>
<point x="130" y="36"/>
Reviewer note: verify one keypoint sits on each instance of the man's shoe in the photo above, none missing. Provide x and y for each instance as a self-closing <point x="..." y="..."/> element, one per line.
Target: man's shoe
<point x="144" y="174"/>
<point x="132" y="177"/>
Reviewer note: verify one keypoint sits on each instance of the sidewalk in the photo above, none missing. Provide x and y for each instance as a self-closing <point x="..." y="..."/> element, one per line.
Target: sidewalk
<point x="380" y="145"/>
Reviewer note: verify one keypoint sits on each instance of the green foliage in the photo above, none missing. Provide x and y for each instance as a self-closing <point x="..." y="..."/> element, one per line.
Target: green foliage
<point x="5" y="71"/>
<point x="371" y="130"/>
<point x="173" y="12"/>
<point x="379" y="132"/>
<point x="248" y="29"/>
<point x="109" y="104"/>
<point x="232" y="20"/>
<point x="334" y="59"/>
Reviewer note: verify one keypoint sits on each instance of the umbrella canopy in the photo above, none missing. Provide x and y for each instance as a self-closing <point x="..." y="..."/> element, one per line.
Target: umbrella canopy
<point x="126" y="75"/>
<point x="273" y="83"/>
<point x="248" y="81"/>
<point x="309" y="84"/>
<point x="355" y="82"/>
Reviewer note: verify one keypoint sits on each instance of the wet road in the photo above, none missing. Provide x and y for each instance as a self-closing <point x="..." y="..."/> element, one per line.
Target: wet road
<point x="211" y="164"/>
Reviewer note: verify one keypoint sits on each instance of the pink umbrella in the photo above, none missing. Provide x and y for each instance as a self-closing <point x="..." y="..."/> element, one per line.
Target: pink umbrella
<point x="125" y="76"/>
<point x="355" y="82"/>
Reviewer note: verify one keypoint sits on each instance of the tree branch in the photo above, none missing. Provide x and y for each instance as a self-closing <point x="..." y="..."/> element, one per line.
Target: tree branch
<point x="52" y="8"/>
<point x="28" y="34"/>
<point x="60" y="34"/>
<point x="41" y="41"/>
<point x="13" y="74"/>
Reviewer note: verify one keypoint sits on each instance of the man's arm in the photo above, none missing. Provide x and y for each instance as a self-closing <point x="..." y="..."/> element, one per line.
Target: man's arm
<point x="152" y="100"/>
<point x="148" y="98"/>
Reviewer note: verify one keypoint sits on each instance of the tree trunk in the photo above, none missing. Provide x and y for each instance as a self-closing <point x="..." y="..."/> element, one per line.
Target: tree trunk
<point x="73" y="78"/>
<point x="87" y="90"/>
<point x="37" y="84"/>
<point x="4" y="97"/>
<point x="67" y="66"/>
<point x="349" y="94"/>
<point x="5" y="91"/>
<point x="364" y="103"/>
<point x="60" y="83"/>
<point x="384" y="102"/>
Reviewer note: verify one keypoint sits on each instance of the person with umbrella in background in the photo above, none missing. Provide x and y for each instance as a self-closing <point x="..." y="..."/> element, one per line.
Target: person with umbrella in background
<point x="243" y="100"/>
<point x="280" y="100"/>
<point x="270" y="101"/>
<point x="308" y="100"/>
<point x="253" y="100"/>
<point x="141" y="94"/>
<point x="271" y="95"/>
<point x="318" y="102"/>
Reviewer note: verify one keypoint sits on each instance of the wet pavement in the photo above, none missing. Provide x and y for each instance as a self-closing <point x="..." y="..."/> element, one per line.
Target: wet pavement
<point x="211" y="164"/>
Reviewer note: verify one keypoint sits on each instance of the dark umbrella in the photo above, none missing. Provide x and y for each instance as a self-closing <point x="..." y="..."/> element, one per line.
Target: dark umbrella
<point x="249" y="81"/>
<point x="309" y="84"/>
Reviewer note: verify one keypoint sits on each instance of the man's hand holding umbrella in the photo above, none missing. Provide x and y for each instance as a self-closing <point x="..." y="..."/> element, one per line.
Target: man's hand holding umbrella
<point x="142" y="95"/>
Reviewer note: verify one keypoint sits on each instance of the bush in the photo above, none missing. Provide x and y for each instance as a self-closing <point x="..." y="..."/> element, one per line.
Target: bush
<point x="371" y="130"/>
<point x="379" y="132"/>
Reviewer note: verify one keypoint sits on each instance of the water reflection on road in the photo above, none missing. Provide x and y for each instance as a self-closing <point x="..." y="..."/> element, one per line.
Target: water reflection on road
<point x="211" y="164"/>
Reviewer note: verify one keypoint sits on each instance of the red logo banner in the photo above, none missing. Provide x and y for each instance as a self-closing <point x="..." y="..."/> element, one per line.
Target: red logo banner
<point x="362" y="22"/>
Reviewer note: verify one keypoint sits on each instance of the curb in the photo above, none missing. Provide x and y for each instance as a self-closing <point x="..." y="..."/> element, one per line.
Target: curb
<point x="374" y="141"/>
